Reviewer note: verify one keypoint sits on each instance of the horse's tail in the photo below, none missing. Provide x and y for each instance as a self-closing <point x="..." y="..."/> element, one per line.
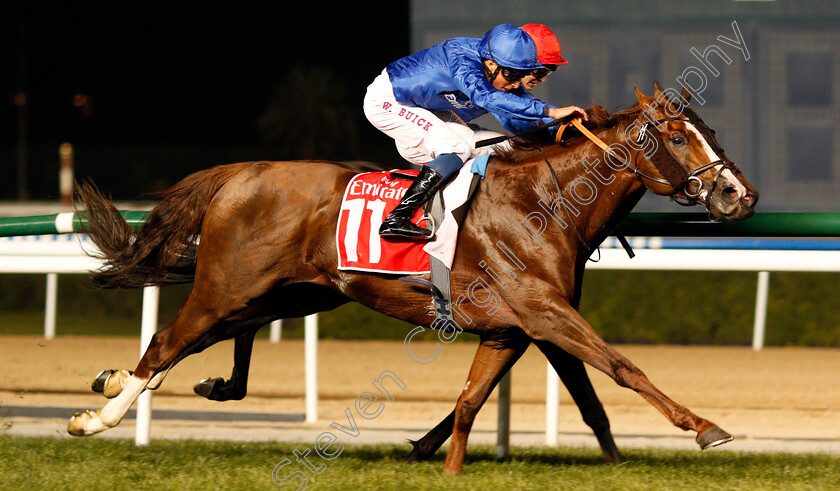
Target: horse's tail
<point x="163" y="250"/>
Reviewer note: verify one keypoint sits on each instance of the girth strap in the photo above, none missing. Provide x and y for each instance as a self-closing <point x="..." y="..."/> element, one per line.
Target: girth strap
<point x="440" y="284"/>
<point x="439" y="271"/>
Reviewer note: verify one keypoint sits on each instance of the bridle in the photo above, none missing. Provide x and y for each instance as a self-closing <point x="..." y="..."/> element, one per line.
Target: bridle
<point x="689" y="197"/>
<point x="683" y="193"/>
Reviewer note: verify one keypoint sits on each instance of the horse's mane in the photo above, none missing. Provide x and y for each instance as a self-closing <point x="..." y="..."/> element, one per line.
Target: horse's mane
<point x="599" y="118"/>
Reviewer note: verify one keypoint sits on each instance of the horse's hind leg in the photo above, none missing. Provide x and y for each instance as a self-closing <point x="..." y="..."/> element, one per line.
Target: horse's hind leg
<point x="574" y="377"/>
<point x="297" y="300"/>
<point x="494" y="357"/>
<point x="217" y="388"/>
<point x="194" y="321"/>
<point x="424" y="448"/>
<point x="111" y="382"/>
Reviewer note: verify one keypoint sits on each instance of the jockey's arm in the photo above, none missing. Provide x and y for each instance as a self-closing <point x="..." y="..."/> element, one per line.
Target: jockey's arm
<point x="517" y="126"/>
<point x="564" y="112"/>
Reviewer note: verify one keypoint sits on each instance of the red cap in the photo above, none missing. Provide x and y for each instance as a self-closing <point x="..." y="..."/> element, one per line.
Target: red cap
<point x="548" y="47"/>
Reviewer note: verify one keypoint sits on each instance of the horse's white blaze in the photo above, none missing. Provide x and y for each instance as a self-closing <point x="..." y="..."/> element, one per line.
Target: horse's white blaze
<point x="727" y="174"/>
<point x="706" y="147"/>
<point x="734" y="182"/>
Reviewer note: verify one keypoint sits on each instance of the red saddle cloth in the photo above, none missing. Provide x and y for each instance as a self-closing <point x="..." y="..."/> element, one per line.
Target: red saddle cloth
<point x="368" y="199"/>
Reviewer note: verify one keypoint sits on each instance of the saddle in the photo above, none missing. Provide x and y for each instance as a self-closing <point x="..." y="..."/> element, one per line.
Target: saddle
<point x="367" y="200"/>
<point x="369" y="197"/>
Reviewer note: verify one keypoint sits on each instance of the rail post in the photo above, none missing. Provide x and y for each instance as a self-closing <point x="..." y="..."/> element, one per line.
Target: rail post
<point x="760" y="310"/>
<point x="65" y="173"/>
<point x="276" y="331"/>
<point x="552" y="404"/>
<point x="503" y="432"/>
<point x="311" y="362"/>
<point x="51" y="304"/>
<point x="148" y="326"/>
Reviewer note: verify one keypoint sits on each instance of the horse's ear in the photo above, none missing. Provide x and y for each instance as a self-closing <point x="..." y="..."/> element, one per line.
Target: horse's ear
<point x="685" y="94"/>
<point x="644" y="100"/>
<point x="657" y="89"/>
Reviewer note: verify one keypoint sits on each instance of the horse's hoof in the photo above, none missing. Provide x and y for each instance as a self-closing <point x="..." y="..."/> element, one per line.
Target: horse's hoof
<point x="98" y="384"/>
<point x="115" y="383"/>
<point x="713" y="437"/>
<point x="85" y="424"/>
<point x="415" y="455"/>
<point x="613" y="456"/>
<point x="206" y="386"/>
<point x="608" y="448"/>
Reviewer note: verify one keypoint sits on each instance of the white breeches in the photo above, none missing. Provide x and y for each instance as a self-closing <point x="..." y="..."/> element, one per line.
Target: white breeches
<point x="419" y="135"/>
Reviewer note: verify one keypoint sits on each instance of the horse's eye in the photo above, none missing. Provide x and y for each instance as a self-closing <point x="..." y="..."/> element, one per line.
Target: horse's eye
<point x="677" y="140"/>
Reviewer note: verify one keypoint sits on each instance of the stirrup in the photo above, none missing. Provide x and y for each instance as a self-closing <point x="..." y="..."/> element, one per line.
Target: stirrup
<point x="426" y="217"/>
<point x="397" y="235"/>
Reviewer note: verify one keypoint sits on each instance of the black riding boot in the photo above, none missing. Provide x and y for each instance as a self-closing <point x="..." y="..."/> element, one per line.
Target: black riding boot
<point x="397" y="226"/>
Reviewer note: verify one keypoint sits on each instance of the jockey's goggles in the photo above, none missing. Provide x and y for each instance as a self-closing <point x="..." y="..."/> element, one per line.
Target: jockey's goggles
<point x="513" y="75"/>
<point x="542" y="72"/>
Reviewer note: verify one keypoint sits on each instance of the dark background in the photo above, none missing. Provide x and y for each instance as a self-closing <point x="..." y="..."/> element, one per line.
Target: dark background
<point x="168" y="90"/>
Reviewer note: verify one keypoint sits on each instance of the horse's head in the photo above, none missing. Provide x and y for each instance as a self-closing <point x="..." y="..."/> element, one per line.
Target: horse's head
<point x="682" y="158"/>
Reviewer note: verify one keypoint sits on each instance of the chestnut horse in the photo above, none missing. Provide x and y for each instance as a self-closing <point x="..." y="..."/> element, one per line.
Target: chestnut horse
<point x="267" y="250"/>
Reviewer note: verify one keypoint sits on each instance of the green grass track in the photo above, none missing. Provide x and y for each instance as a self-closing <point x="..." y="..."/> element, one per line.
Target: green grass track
<point x="97" y="463"/>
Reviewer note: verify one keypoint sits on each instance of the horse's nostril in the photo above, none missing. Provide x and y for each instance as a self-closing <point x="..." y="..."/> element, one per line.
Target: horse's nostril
<point x="731" y="192"/>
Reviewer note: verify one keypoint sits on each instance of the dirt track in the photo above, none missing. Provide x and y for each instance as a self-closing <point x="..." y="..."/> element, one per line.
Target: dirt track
<point x="778" y="393"/>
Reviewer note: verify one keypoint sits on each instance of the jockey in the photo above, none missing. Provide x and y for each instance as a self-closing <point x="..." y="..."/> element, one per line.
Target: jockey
<point x="548" y="54"/>
<point x="423" y="100"/>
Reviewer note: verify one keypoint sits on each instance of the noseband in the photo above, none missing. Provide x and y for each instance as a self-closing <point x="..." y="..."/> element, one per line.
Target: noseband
<point x="689" y="197"/>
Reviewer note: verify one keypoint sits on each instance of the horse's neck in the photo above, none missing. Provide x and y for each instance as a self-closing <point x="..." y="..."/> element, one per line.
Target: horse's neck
<point x="602" y="193"/>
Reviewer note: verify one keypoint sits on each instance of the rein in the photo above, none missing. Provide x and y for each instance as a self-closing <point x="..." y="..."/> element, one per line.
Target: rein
<point x="621" y="239"/>
<point x="560" y="194"/>
<point x="608" y="152"/>
<point x="688" y="198"/>
<point x="691" y="197"/>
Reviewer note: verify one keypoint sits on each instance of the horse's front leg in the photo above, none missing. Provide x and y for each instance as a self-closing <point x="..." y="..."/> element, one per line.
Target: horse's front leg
<point x="574" y="377"/>
<point x="564" y="327"/>
<point x="576" y="380"/>
<point x="219" y="389"/>
<point x="494" y="357"/>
